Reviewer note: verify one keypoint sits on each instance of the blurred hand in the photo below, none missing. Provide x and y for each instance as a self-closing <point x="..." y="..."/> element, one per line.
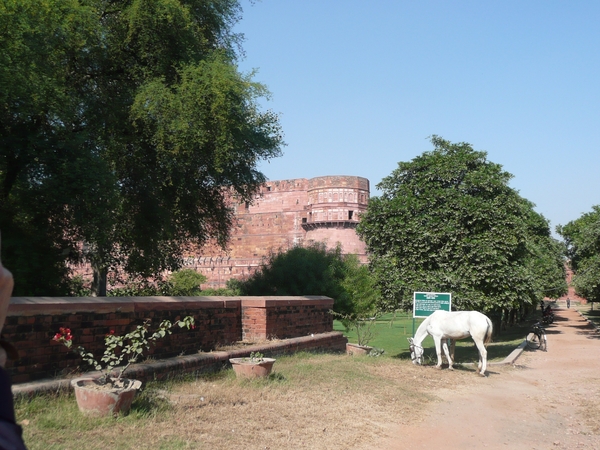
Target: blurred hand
<point x="6" y="287"/>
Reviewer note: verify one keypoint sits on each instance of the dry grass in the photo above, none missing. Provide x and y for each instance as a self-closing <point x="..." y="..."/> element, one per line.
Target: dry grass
<point x="318" y="402"/>
<point x="588" y="404"/>
<point x="312" y="401"/>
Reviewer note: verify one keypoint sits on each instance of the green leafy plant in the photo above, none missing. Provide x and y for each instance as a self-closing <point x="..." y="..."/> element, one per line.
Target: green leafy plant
<point x="255" y="357"/>
<point x="219" y="292"/>
<point x="78" y="287"/>
<point x="364" y="298"/>
<point x="120" y="350"/>
<point x="310" y="270"/>
<point x="375" y="352"/>
<point x="186" y="282"/>
<point x="137" y="287"/>
<point x="364" y="327"/>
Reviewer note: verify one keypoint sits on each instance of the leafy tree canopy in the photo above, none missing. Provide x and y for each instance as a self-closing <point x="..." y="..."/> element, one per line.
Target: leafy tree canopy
<point x="447" y="221"/>
<point x="123" y="125"/>
<point x="582" y="237"/>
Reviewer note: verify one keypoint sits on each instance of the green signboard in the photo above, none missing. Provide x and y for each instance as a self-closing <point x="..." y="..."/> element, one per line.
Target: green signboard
<point x="425" y="303"/>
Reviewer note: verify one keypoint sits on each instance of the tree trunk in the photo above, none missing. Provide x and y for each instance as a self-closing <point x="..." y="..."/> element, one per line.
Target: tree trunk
<point x="99" y="282"/>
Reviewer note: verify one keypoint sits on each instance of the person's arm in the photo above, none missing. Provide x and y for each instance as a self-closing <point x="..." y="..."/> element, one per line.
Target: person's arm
<point x="11" y="434"/>
<point x="6" y="287"/>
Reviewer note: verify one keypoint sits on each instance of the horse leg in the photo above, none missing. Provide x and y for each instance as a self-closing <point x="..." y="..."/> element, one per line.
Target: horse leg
<point x="481" y="368"/>
<point x="449" y="357"/>
<point x="438" y="350"/>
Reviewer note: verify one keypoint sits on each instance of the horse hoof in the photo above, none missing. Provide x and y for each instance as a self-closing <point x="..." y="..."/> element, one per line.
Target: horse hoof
<point x="482" y="375"/>
<point x="438" y="367"/>
<point x="450" y="368"/>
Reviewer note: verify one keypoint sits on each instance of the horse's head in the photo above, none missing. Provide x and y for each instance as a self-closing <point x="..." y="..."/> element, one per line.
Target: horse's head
<point x="416" y="352"/>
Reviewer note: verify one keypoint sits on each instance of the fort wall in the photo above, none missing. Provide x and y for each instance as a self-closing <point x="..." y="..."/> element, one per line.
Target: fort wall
<point x="284" y="214"/>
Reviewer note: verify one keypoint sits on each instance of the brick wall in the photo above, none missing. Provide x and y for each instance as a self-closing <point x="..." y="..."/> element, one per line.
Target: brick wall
<point x="285" y="317"/>
<point x="32" y="322"/>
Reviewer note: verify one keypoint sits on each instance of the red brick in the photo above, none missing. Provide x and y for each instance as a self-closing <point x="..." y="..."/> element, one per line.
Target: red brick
<point x="281" y="317"/>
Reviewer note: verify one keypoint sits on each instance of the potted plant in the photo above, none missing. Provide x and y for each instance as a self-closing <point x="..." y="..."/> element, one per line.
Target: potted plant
<point x="110" y="393"/>
<point x="254" y="366"/>
<point x="363" y="327"/>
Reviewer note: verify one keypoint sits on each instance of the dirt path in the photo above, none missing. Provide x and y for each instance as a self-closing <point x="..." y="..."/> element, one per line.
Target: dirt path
<point x="548" y="400"/>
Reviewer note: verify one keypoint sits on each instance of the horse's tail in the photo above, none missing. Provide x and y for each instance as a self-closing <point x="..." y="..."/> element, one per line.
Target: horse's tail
<point x="490" y="330"/>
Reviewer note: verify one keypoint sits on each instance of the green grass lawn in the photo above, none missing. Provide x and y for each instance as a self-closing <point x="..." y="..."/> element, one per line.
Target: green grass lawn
<point x="589" y="313"/>
<point x="392" y="333"/>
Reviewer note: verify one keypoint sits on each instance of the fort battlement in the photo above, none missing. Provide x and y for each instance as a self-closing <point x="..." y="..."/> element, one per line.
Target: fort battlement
<point x="284" y="214"/>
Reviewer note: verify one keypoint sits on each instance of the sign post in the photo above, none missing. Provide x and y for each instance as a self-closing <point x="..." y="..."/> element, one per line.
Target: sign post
<point x="426" y="303"/>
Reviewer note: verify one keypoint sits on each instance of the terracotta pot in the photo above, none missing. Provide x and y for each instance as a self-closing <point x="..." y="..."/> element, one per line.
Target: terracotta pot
<point x="243" y="367"/>
<point x="96" y="399"/>
<point x="355" y="349"/>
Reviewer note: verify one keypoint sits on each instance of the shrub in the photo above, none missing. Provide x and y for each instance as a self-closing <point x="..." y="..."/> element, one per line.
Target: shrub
<point x="186" y="282"/>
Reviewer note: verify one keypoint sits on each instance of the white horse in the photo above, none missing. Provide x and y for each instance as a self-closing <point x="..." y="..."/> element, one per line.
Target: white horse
<point x="453" y="325"/>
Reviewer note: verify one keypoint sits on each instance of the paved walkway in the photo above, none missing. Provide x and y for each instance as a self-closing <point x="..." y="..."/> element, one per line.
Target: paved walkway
<point x="547" y="400"/>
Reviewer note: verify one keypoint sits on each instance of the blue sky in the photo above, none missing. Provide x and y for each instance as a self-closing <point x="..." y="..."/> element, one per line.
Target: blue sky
<point x="361" y="85"/>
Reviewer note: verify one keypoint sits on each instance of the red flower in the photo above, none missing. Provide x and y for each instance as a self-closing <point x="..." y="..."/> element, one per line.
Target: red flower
<point x="68" y="337"/>
<point x="67" y="331"/>
<point x="57" y="337"/>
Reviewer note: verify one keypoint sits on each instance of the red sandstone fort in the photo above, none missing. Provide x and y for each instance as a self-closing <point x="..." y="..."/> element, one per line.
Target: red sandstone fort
<point x="285" y="214"/>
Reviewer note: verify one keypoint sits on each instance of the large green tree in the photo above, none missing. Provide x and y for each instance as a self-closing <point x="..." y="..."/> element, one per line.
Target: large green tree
<point x="50" y="177"/>
<point x="582" y="237"/>
<point x="125" y="126"/>
<point x="447" y="221"/>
